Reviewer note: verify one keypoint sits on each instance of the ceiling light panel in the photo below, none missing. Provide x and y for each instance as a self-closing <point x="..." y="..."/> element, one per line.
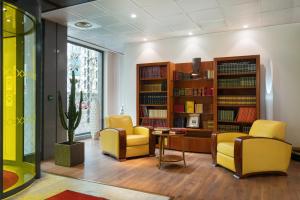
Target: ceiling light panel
<point x="205" y="16"/>
<point x="163" y="9"/>
<point x="86" y="11"/>
<point x="194" y="5"/>
<point x="272" y="5"/>
<point x="241" y="9"/>
<point x="235" y="2"/>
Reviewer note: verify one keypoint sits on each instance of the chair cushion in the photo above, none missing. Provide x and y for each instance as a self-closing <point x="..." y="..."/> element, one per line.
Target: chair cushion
<point x="268" y="128"/>
<point x="135" y="140"/>
<point x="226" y="148"/>
<point x="120" y="121"/>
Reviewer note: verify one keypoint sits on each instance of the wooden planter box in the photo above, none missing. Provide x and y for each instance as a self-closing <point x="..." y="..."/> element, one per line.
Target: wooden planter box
<point x="69" y="155"/>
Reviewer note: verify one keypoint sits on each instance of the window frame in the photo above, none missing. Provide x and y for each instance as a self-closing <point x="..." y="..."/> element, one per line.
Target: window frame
<point x="84" y="136"/>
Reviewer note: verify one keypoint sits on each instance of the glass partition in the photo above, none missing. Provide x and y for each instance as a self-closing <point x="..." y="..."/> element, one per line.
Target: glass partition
<point x="18" y="96"/>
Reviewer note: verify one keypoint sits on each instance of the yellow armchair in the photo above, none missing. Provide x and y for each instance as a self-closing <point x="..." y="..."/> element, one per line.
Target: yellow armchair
<point x="262" y="151"/>
<point x="121" y="140"/>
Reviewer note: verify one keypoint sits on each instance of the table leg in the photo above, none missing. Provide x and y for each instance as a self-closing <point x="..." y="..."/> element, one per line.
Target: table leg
<point x="183" y="151"/>
<point x="160" y="151"/>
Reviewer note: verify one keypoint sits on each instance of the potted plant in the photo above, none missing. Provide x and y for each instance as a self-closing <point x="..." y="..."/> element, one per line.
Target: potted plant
<point x="70" y="153"/>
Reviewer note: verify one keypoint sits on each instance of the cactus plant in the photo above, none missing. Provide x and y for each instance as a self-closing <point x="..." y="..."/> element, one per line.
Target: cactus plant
<point x="70" y="120"/>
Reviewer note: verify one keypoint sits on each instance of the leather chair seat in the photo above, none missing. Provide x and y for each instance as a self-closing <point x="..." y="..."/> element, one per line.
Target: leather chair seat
<point x="226" y="148"/>
<point x="135" y="140"/>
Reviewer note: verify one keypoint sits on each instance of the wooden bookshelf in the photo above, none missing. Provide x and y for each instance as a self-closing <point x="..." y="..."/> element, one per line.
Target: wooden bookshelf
<point x="197" y="139"/>
<point x="154" y="82"/>
<point x="240" y="70"/>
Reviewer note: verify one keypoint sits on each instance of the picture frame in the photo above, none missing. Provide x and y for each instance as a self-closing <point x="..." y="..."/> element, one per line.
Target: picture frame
<point x="193" y="121"/>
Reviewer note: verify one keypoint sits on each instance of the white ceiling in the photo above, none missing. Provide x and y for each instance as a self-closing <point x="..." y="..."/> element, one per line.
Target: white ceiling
<point x="158" y="19"/>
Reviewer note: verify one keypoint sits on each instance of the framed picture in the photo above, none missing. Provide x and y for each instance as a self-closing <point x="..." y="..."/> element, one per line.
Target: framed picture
<point x="193" y="121"/>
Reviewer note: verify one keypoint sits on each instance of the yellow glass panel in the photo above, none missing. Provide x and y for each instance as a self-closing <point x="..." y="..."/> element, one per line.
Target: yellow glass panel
<point x="9" y="100"/>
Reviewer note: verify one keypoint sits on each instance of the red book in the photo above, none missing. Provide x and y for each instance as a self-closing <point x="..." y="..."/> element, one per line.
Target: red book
<point x="178" y="108"/>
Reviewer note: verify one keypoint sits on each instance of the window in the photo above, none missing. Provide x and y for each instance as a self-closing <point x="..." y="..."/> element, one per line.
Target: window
<point x="87" y="64"/>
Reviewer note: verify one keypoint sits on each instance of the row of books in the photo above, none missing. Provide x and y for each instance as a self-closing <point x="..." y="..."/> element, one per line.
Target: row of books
<point x="153" y="113"/>
<point x="182" y="76"/>
<point x="181" y="122"/>
<point x="189" y="107"/>
<point x="246" y="114"/>
<point x="153" y="72"/>
<point x="237" y="100"/>
<point x="236" y="67"/>
<point x="193" y="91"/>
<point x="228" y="128"/>
<point x="153" y="98"/>
<point x="207" y="74"/>
<point x="226" y="115"/>
<point x="246" y="129"/>
<point x="242" y="82"/>
<point x="157" y="113"/>
<point x="154" y="122"/>
<point x="208" y="124"/>
<point x="158" y="87"/>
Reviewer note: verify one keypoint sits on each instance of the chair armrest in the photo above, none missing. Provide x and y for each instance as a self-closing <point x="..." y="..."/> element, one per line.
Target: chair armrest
<point x="146" y="130"/>
<point x="253" y="155"/>
<point x="229" y="137"/>
<point x="113" y="141"/>
<point x="222" y="137"/>
<point x="141" y="130"/>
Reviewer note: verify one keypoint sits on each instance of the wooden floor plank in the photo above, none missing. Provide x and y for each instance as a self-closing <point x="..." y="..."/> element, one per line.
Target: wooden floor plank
<point x="200" y="180"/>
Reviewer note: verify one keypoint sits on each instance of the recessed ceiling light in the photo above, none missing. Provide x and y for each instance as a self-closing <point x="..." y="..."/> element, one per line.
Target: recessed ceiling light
<point x="8" y="20"/>
<point x="190" y="33"/>
<point x="145" y="39"/>
<point x="245" y="26"/>
<point x="133" y="15"/>
<point x="83" y="24"/>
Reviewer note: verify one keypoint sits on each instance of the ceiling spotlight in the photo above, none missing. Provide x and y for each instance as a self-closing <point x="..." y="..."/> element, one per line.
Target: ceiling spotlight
<point x="145" y="39"/>
<point x="83" y="24"/>
<point x="245" y="26"/>
<point x="190" y="33"/>
<point x="133" y="15"/>
<point x="8" y="20"/>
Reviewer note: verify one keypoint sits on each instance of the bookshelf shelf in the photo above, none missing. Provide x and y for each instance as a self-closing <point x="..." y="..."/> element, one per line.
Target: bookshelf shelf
<point x="239" y="74"/>
<point x="153" y="91"/>
<point x="198" y="97"/>
<point x="185" y="113"/>
<point x="153" y="118"/>
<point x="194" y="80"/>
<point x="153" y="79"/>
<point x="199" y="129"/>
<point x="238" y="88"/>
<point x="235" y="122"/>
<point x="236" y="105"/>
<point x="154" y="105"/>
<point x="238" y="78"/>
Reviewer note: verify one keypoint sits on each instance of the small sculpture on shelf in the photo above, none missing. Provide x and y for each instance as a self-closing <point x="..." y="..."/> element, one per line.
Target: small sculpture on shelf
<point x="196" y="68"/>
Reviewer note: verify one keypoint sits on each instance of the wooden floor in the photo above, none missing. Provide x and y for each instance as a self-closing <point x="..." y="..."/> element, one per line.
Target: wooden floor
<point x="200" y="180"/>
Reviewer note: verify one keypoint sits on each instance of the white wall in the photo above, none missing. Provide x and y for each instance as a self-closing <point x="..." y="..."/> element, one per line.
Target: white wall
<point x="112" y="63"/>
<point x="279" y="47"/>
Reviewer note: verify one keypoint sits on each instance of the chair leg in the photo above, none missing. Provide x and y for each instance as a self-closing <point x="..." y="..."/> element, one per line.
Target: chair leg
<point x="236" y="176"/>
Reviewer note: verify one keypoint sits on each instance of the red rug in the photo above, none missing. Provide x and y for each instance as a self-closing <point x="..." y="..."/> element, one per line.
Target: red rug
<point x="9" y="179"/>
<point x="71" y="195"/>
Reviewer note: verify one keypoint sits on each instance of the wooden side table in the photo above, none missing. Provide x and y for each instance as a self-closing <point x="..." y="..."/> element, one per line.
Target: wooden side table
<point x="162" y="134"/>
